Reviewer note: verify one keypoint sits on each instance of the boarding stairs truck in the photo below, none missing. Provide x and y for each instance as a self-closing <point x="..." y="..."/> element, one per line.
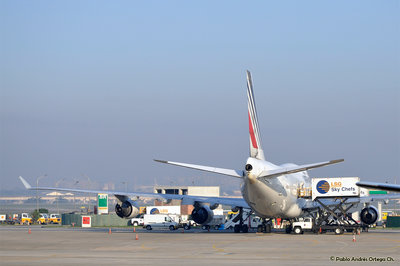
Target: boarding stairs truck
<point x="251" y="221"/>
<point x="151" y="221"/>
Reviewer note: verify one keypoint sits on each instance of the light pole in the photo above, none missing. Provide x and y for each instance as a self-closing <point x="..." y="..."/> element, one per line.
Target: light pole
<point x="37" y="196"/>
<point x="74" y="196"/>
<point x="88" y="193"/>
<point x="57" y="195"/>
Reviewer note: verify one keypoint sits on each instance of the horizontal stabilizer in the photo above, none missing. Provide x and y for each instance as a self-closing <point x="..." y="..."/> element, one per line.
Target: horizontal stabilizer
<point x="222" y="171"/>
<point x="296" y="169"/>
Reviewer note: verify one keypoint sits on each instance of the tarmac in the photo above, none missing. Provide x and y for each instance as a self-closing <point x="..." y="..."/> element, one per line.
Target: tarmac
<point x="96" y="246"/>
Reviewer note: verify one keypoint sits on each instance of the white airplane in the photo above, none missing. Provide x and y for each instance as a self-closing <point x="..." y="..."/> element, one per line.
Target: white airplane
<point x="271" y="191"/>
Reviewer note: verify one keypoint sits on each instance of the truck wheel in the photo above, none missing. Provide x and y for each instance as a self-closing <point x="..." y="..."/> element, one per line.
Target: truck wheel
<point x="205" y="227"/>
<point x="148" y="227"/>
<point x="171" y="227"/>
<point x="338" y="231"/>
<point x="186" y="227"/>
<point x="297" y="230"/>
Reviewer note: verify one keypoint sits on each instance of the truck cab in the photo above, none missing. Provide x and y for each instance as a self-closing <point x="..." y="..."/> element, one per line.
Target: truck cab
<point x="26" y="218"/>
<point x="55" y="218"/>
<point x="137" y="221"/>
<point x="43" y="218"/>
<point x="303" y="224"/>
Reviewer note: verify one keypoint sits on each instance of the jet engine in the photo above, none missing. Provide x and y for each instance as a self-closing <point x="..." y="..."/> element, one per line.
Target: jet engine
<point x="127" y="209"/>
<point x="202" y="214"/>
<point x="369" y="215"/>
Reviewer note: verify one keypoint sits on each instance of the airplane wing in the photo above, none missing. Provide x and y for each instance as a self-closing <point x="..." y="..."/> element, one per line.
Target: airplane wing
<point x="384" y="186"/>
<point x="186" y="199"/>
<point x="222" y="171"/>
<point x="295" y="169"/>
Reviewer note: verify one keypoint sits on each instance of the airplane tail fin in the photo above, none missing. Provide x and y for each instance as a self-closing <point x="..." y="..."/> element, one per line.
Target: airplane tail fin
<point x="256" y="150"/>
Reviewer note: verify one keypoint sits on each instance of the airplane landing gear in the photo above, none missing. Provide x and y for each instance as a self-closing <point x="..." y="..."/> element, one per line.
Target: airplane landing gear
<point x="265" y="227"/>
<point x="241" y="227"/>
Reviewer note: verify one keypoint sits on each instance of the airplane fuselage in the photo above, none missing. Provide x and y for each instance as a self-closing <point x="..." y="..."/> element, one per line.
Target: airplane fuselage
<point x="273" y="196"/>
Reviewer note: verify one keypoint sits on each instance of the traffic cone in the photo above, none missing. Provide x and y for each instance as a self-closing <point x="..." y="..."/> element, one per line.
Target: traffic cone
<point x="109" y="231"/>
<point x="137" y="237"/>
<point x="320" y="230"/>
<point x="354" y="238"/>
<point x="29" y="231"/>
<point x="183" y="230"/>
<point x="134" y="229"/>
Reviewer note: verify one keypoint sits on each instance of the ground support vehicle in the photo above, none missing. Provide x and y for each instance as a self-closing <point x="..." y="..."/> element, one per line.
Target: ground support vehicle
<point x="159" y="221"/>
<point x="215" y="223"/>
<point x="55" y="218"/>
<point x="26" y="219"/>
<point x="334" y="218"/>
<point x="251" y="221"/>
<point x="43" y="218"/>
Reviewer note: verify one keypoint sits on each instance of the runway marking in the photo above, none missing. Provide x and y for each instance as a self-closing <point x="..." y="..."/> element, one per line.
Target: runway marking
<point x="145" y="248"/>
<point x="220" y="250"/>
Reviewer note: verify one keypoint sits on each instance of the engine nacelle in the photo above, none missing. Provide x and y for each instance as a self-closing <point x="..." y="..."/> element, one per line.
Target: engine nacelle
<point x="128" y="209"/>
<point x="202" y="214"/>
<point x="369" y="215"/>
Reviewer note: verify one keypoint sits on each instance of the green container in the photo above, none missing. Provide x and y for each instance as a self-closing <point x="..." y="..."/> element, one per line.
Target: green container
<point x="97" y="220"/>
<point x="393" y="221"/>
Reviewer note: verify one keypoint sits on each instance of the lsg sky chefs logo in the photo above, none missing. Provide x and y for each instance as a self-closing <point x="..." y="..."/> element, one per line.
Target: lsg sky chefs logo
<point x="323" y="186"/>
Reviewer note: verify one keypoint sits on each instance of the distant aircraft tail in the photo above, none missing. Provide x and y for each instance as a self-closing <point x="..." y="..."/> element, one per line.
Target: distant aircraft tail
<point x="256" y="150"/>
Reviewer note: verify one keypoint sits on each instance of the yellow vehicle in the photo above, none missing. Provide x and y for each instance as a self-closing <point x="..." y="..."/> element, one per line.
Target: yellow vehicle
<point x="26" y="218"/>
<point x="55" y="218"/>
<point x="43" y="218"/>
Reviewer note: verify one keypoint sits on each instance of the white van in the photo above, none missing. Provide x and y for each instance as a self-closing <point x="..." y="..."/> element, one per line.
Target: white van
<point x="151" y="221"/>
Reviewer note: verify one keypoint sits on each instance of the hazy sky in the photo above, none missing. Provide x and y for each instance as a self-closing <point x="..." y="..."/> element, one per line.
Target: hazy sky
<point x="103" y="87"/>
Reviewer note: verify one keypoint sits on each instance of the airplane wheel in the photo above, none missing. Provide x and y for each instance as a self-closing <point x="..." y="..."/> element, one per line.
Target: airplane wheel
<point x="268" y="228"/>
<point x="260" y="229"/>
<point x="236" y="229"/>
<point x="245" y="228"/>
